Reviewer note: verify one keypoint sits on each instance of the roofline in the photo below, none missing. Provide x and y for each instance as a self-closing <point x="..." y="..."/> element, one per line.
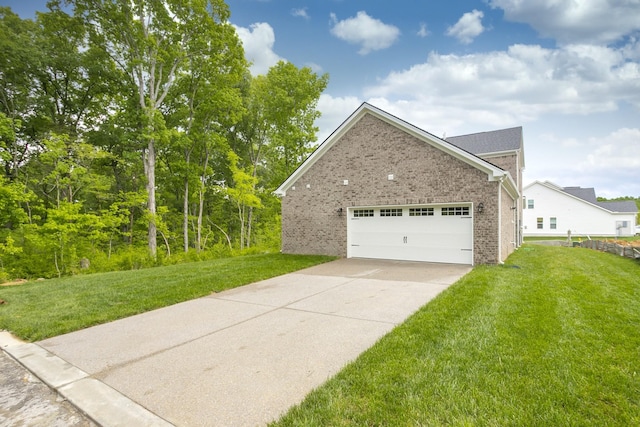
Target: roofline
<point x="486" y="131"/>
<point x="550" y="185"/>
<point x="494" y="172"/>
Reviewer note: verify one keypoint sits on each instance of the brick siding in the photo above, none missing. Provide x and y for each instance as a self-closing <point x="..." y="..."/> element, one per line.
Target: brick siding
<point x="366" y="154"/>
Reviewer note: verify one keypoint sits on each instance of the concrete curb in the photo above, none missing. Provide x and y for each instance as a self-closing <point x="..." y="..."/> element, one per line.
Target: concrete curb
<point x="104" y="405"/>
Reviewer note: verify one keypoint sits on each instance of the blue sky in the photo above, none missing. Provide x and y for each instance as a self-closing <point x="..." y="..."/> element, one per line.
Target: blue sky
<point x="568" y="72"/>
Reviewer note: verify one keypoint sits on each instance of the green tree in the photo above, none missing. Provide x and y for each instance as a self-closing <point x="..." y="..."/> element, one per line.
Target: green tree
<point x="151" y="41"/>
<point x="277" y="131"/>
<point x="291" y="97"/>
<point x="242" y="192"/>
<point x="18" y="60"/>
<point x="205" y="104"/>
<point x="65" y="169"/>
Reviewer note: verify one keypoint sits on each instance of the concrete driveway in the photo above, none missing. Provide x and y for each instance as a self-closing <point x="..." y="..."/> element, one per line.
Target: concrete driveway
<point x="239" y="357"/>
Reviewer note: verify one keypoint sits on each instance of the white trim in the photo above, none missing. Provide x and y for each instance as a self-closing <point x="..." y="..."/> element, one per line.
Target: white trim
<point x="499" y="260"/>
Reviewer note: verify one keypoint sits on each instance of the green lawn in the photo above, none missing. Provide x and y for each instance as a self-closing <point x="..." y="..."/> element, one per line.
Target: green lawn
<point x="552" y="338"/>
<point x="578" y="238"/>
<point x="39" y="310"/>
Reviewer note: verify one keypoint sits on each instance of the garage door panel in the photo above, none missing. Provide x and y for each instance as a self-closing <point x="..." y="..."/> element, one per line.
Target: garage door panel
<point x="444" y="255"/>
<point x="437" y="238"/>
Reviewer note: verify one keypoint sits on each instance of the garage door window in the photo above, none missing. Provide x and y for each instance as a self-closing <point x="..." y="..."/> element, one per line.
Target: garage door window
<point x="421" y="212"/>
<point x="455" y="211"/>
<point x="390" y="212"/>
<point x="360" y="213"/>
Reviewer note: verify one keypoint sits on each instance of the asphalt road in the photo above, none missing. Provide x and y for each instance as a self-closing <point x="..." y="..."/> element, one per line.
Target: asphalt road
<point x="27" y="401"/>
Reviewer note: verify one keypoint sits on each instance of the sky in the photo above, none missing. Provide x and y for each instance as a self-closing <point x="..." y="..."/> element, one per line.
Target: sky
<point x="568" y="72"/>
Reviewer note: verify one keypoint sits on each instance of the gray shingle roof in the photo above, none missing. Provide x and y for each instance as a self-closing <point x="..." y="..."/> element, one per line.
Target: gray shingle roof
<point x="589" y="195"/>
<point x="495" y="141"/>
<point x="623" y="206"/>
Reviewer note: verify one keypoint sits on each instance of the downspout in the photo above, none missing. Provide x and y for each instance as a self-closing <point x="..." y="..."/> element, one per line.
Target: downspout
<point x="500" y="220"/>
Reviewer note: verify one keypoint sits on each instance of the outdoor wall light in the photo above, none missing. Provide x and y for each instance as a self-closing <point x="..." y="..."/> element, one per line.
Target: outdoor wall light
<point x="339" y="211"/>
<point x="480" y="207"/>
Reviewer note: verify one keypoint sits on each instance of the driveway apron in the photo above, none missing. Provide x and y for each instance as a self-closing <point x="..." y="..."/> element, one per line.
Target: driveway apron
<point x="244" y="356"/>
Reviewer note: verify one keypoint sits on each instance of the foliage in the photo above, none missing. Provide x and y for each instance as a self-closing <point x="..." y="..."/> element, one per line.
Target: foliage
<point x="43" y="309"/>
<point x="116" y="122"/>
<point x="548" y="339"/>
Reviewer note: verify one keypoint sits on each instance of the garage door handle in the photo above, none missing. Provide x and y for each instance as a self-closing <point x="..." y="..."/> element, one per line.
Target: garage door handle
<point x="466" y="250"/>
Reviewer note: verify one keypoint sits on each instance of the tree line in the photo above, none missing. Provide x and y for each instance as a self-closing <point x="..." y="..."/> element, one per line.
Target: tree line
<point x="133" y="134"/>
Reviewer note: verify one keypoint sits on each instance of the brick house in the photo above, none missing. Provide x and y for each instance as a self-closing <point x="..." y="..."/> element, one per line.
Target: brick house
<point x="380" y="187"/>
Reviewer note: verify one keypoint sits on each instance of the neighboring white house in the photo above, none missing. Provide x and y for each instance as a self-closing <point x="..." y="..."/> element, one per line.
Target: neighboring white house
<point x="551" y="210"/>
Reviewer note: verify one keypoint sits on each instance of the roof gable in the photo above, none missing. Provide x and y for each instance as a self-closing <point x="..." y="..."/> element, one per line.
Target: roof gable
<point x="588" y="195"/>
<point x="494" y="173"/>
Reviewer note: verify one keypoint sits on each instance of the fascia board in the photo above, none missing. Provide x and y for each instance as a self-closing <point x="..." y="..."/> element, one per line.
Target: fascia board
<point x="511" y="187"/>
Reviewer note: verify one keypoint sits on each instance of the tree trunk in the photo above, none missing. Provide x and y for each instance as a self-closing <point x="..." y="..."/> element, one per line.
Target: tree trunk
<point x="249" y="222"/>
<point x="150" y="171"/>
<point x="200" y="211"/>
<point x="201" y="200"/>
<point x="185" y="216"/>
<point x="241" y="217"/>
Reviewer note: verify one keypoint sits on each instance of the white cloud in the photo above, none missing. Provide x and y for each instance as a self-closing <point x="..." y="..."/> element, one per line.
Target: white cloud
<point x="468" y="27"/>
<point x="616" y="151"/>
<point x="302" y="13"/>
<point x="576" y="21"/>
<point x="335" y="110"/>
<point x="423" y="32"/>
<point x="369" y="33"/>
<point x="608" y="162"/>
<point x="258" y="41"/>
<point x="314" y="67"/>
<point x="505" y="88"/>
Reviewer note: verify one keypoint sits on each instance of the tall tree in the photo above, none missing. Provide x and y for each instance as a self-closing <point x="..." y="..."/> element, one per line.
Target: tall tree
<point x="18" y="59"/>
<point x="205" y="104"/>
<point x="291" y="96"/>
<point x="277" y="131"/>
<point x="152" y="41"/>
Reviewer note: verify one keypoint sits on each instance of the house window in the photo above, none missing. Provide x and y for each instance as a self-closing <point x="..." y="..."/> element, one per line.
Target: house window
<point x="552" y="223"/>
<point x="391" y="212"/>
<point x="540" y="223"/>
<point x="530" y="204"/>
<point x="420" y="211"/>
<point x="455" y="210"/>
<point x="360" y="213"/>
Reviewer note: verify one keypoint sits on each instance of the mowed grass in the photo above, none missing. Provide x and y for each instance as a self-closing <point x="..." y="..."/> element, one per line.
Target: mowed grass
<point x="552" y="338"/>
<point x="39" y="310"/>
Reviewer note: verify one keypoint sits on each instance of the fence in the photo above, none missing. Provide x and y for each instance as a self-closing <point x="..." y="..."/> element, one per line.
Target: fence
<point x="614" y="248"/>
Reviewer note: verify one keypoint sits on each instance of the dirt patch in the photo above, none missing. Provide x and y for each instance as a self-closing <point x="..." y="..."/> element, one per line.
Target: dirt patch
<point x="16" y="282"/>
<point x="632" y="244"/>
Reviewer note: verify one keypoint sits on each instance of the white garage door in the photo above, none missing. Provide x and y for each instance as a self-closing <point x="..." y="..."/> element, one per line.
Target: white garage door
<point x="412" y="233"/>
